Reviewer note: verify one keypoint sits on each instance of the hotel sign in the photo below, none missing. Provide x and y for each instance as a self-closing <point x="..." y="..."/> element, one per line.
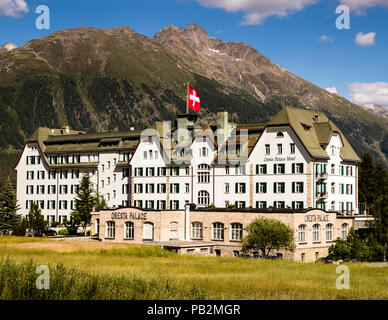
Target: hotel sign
<point x="130" y="215"/>
<point x="279" y="159"/>
<point x="316" y="218"/>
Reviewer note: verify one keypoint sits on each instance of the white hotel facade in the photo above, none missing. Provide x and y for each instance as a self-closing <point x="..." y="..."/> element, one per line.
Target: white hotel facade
<point x="299" y="159"/>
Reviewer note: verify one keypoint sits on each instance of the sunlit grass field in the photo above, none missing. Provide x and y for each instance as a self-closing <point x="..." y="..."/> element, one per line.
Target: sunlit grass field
<point x="95" y="270"/>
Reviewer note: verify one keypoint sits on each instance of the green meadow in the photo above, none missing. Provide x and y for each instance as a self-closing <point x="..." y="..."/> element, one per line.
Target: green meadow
<point x="84" y="270"/>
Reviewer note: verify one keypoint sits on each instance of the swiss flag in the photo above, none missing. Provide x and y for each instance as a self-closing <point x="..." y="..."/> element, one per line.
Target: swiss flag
<point x="193" y="99"/>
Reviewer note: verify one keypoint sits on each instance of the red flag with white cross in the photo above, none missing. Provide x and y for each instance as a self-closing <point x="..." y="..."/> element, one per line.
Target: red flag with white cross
<point x="193" y="100"/>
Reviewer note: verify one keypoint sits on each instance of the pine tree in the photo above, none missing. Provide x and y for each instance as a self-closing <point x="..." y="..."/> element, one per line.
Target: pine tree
<point x="85" y="201"/>
<point x="9" y="218"/>
<point x="35" y="218"/>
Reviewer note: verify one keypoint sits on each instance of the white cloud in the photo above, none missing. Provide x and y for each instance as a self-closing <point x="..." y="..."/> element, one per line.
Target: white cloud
<point x="365" y="39"/>
<point x="332" y="90"/>
<point x="369" y="93"/>
<point x="360" y="6"/>
<point x="325" y="38"/>
<point x="13" y="8"/>
<point x="256" y="11"/>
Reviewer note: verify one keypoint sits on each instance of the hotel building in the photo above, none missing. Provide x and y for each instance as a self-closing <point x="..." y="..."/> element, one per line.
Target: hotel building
<point x="298" y="160"/>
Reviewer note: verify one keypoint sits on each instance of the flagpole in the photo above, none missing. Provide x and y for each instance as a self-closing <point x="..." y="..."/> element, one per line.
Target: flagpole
<point x="187" y="99"/>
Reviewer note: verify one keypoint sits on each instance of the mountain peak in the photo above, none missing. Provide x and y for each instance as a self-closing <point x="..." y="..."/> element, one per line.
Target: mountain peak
<point x="7" y="47"/>
<point x="195" y="28"/>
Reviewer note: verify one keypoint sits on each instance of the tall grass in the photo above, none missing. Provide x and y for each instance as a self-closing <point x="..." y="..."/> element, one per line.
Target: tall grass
<point x="80" y="271"/>
<point x="18" y="282"/>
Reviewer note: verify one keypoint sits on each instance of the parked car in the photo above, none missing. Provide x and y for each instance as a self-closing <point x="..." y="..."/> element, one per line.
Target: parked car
<point x="324" y="260"/>
<point x="46" y="232"/>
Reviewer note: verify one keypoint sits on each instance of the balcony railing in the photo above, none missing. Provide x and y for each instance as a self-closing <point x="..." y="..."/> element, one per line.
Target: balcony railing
<point x="321" y="175"/>
<point x="321" y="195"/>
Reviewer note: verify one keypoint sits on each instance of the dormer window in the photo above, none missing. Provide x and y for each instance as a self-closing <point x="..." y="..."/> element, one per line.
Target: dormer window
<point x="280" y="135"/>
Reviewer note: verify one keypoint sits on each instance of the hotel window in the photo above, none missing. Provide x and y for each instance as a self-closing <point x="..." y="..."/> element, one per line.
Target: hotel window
<point x="302" y="255"/>
<point x="279" y="168"/>
<point x="150" y="152"/>
<point x="162" y="172"/>
<point x="148" y="231"/>
<point x="174" y="204"/>
<point x="138" y="188"/>
<point x="333" y="169"/>
<point x="126" y="172"/>
<point x="161" y="204"/>
<point x="227" y="170"/>
<point x="333" y="187"/>
<point x="302" y="233"/>
<point x="150" y="204"/>
<point x="203" y="197"/>
<point x="30" y="175"/>
<point x="279" y="187"/>
<point x="240" y="204"/>
<point x="297" y="187"/>
<point x="196" y="230"/>
<point x="344" y="231"/>
<point x="279" y="204"/>
<point x="150" y="188"/>
<point x="203" y="152"/>
<point x="114" y="177"/>
<point x="174" y="187"/>
<point x="174" y="171"/>
<point x="145" y="155"/>
<point x="261" y="187"/>
<point x="292" y="148"/>
<point x="316" y="236"/>
<point x="263" y="169"/>
<point x="108" y="181"/>
<point x="329" y="232"/>
<point x="187" y="171"/>
<point x="108" y="164"/>
<point x="204" y="174"/>
<point x="110" y="230"/>
<point x="108" y="196"/>
<point x="267" y="149"/>
<point x="187" y="188"/>
<point x="226" y="188"/>
<point x="114" y="194"/>
<point x="333" y="205"/>
<point x="297" y="168"/>
<point x="240" y="169"/>
<point x="29" y="189"/>
<point x="280" y="148"/>
<point x="261" y="204"/>
<point x="129" y="231"/>
<point x="102" y="183"/>
<point x="236" y="231"/>
<point x="162" y="188"/>
<point x="280" y="135"/>
<point x="218" y="231"/>
<point x="240" y="188"/>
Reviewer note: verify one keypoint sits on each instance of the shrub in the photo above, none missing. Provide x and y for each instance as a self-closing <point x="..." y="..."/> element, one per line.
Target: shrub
<point x="63" y="232"/>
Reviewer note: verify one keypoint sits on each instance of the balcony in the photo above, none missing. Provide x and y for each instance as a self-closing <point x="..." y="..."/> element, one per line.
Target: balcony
<point x="321" y="195"/>
<point x="321" y="175"/>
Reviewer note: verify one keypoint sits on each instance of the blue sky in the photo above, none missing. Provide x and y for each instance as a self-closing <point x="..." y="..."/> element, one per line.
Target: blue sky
<point x="300" y="35"/>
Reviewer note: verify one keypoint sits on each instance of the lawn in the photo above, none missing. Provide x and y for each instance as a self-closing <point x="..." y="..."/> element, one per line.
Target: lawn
<point x="95" y="270"/>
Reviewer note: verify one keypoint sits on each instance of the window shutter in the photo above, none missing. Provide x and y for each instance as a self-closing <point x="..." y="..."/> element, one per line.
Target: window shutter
<point x="274" y="187"/>
<point x="293" y="188"/>
<point x="351" y="171"/>
<point x="236" y="189"/>
<point x="265" y="187"/>
<point x="265" y="204"/>
<point x="293" y="168"/>
<point x="147" y="188"/>
<point x="177" y="188"/>
<point x="177" y="171"/>
<point x="274" y="168"/>
<point x="257" y="204"/>
<point x="351" y="189"/>
<point x="257" y="187"/>
<point x="158" y="189"/>
<point x="293" y="204"/>
<point x="236" y="204"/>
<point x="302" y="187"/>
<point x="342" y="188"/>
<point x="342" y="170"/>
<point x="170" y="204"/>
<point x="243" y="187"/>
<point x="170" y="187"/>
